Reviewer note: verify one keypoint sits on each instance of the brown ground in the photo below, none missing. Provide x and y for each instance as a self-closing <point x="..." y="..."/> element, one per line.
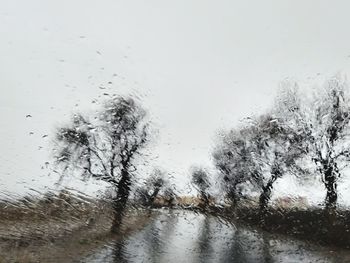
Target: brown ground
<point x="59" y="231"/>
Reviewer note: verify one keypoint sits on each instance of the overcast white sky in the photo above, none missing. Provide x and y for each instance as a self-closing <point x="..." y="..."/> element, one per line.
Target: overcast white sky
<point x="198" y="66"/>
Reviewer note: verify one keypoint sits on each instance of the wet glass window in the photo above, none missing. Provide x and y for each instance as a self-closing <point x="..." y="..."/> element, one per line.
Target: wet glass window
<point x="174" y="131"/>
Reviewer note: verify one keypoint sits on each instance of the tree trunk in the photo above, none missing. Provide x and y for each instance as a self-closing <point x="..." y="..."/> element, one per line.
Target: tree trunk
<point x="265" y="195"/>
<point x="331" y="187"/>
<point x="119" y="202"/>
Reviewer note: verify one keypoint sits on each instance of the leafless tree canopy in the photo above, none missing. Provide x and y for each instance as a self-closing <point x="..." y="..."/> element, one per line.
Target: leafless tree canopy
<point x="200" y="181"/>
<point x="299" y="128"/>
<point x="104" y="146"/>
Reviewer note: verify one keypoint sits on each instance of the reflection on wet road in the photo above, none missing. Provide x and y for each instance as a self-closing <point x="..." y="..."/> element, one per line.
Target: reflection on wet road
<point x="184" y="236"/>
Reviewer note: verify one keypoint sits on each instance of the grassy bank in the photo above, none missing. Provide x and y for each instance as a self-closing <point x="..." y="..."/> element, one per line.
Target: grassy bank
<point x="59" y="227"/>
<point x="303" y="222"/>
<point x="313" y="224"/>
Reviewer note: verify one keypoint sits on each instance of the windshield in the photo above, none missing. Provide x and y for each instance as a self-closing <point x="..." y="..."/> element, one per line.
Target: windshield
<point x="174" y="131"/>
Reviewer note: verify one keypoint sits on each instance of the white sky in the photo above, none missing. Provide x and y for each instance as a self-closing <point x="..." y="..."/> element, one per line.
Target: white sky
<point x="198" y="65"/>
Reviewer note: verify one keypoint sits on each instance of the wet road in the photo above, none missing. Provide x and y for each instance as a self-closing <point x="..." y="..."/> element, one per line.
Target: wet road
<point x="183" y="236"/>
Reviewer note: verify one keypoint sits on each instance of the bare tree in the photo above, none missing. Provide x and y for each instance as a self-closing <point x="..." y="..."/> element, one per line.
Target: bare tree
<point x="274" y="144"/>
<point x="152" y="187"/>
<point x="200" y="181"/>
<point x="325" y="119"/>
<point x="261" y="151"/>
<point x="105" y="147"/>
<point x="277" y="149"/>
<point x="232" y="157"/>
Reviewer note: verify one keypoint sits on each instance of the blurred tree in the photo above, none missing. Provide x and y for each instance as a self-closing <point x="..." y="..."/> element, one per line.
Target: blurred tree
<point x="147" y="193"/>
<point x="200" y="181"/>
<point x="325" y="119"/>
<point x="106" y="147"/>
<point x="277" y="147"/>
<point x="232" y="157"/>
<point x="261" y="151"/>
